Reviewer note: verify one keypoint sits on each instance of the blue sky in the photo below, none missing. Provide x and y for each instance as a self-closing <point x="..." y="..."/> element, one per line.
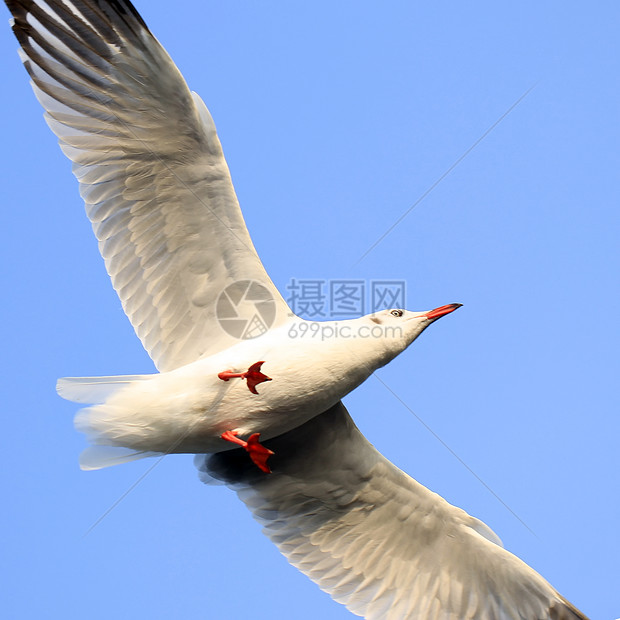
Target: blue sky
<point x="335" y="118"/>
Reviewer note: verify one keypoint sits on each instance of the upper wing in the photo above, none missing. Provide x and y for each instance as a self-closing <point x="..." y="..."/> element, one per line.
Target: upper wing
<point x="151" y="172"/>
<point x="374" y="538"/>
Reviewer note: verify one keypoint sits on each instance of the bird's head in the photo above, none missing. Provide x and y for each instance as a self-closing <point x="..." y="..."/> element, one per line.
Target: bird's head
<point x="399" y="328"/>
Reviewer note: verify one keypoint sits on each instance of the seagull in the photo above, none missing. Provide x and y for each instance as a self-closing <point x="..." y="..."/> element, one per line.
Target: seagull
<point x="258" y="401"/>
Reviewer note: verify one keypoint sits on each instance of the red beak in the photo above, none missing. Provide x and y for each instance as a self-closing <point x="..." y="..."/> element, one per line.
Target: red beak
<point x="441" y="311"/>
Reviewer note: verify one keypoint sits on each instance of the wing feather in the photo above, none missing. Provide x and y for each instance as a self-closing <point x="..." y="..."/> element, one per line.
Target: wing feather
<point x="151" y="170"/>
<point x="374" y="538"/>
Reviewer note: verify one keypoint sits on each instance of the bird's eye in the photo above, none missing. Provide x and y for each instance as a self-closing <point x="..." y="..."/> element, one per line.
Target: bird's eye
<point x="396" y="313"/>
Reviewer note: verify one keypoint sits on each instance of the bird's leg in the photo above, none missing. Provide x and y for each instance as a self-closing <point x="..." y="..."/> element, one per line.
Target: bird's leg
<point x="253" y="376"/>
<point x="229" y="374"/>
<point x="258" y="453"/>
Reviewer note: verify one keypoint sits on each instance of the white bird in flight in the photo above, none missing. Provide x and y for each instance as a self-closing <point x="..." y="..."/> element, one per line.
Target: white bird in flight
<point x="159" y="195"/>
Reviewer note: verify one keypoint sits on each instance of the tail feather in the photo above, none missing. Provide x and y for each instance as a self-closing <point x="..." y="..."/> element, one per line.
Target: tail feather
<point x="94" y="390"/>
<point x="98" y="422"/>
<point x="98" y="457"/>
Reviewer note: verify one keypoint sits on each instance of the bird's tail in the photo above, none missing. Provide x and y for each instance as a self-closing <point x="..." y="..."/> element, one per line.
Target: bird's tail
<point x="98" y="457"/>
<point x="93" y="390"/>
<point x="93" y="421"/>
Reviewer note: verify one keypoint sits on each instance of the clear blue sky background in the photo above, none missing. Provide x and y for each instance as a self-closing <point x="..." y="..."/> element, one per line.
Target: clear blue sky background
<point x="335" y="118"/>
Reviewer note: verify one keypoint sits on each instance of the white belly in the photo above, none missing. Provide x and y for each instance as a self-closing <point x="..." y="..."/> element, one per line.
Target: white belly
<point x="188" y="409"/>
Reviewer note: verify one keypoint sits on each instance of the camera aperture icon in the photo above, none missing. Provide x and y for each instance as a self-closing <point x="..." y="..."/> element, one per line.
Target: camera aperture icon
<point x="245" y="309"/>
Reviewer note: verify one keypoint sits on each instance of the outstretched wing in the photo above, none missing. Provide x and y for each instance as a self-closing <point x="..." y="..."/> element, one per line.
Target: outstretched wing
<point x="375" y="539"/>
<point x="151" y="172"/>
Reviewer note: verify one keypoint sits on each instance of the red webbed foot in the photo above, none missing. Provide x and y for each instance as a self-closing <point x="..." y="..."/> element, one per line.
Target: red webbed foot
<point x="258" y="453"/>
<point x="253" y="376"/>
